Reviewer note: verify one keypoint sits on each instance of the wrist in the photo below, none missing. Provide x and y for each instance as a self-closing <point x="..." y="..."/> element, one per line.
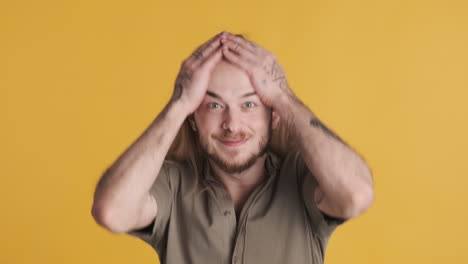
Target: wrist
<point x="181" y="108"/>
<point x="175" y="111"/>
<point x="285" y="105"/>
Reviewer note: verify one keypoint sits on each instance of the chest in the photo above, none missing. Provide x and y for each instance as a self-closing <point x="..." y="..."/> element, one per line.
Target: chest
<point x="238" y="200"/>
<point x="268" y="225"/>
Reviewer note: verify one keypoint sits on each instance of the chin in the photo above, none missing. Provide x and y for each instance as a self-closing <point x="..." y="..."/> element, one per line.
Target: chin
<point x="236" y="163"/>
<point x="234" y="159"/>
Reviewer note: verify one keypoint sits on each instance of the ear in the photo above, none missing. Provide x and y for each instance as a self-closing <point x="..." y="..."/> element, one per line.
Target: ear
<point x="193" y="125"/>
<point x="275" y="119"/>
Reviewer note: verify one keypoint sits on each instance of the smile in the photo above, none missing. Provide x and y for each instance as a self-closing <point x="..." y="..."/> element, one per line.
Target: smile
<point x="233" y="143"/>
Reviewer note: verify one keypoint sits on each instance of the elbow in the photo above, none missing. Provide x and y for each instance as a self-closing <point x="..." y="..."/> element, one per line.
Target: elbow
<point x="105" y="219"/>
<point x="361" y="199"/>
<point x="359" y="203"/>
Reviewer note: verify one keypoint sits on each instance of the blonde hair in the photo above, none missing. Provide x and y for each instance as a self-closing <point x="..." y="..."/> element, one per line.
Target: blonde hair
<point x="186" y="146"/>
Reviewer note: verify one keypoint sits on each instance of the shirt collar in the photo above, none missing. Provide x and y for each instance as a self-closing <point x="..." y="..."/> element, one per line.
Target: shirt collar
<point x="272" y="165"/>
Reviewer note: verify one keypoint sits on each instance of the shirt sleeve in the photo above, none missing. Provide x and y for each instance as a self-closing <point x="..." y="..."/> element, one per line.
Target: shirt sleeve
<point x="162" y="190"/>
<point x="321" y="223"/>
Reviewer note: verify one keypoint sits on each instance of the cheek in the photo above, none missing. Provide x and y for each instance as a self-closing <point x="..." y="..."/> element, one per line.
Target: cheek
<point x="207" y="125"/>
<point x="258" y="130"/>
<point x="260" y="121"/>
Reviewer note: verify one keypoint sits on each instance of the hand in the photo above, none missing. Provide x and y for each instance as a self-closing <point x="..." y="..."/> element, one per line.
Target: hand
<point x="194" y="75"/>
<point x="266" y="75"/>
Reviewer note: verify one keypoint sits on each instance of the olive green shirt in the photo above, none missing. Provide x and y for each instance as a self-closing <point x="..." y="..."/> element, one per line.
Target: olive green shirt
<point x="276" y="224"/>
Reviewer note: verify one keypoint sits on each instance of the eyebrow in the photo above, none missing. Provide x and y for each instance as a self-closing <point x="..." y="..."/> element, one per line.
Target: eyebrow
<point x="219" y="97"/>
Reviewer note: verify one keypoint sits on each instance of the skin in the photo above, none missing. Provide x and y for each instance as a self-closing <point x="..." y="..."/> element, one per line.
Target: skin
<point x="122" y="200"/>
<point x="345" y="184"/>
<point x="232" y="111"/>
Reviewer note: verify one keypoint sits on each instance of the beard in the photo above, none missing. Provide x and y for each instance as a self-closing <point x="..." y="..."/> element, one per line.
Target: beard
<point x="232" y="167"/>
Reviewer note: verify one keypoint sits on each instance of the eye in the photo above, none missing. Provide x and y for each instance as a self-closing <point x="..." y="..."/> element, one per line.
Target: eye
<point x="214" y="105"/>
<point x="249" y="105"/>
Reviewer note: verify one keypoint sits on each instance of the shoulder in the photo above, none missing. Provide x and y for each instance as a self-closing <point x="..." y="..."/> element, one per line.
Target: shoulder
<point x="182" y="176"/>
<point x="292" y="162"/>
<point x="289" y="167"/>
<point x="172" y="172"/>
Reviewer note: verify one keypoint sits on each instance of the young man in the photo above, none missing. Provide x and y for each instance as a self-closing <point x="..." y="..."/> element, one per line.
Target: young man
<point x="235" y="169"/>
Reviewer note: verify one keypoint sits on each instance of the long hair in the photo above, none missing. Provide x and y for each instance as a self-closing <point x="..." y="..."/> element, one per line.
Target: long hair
<point x="186" y="147"/>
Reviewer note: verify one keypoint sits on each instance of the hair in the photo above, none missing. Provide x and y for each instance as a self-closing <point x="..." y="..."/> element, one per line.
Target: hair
<point x="186" y="147"/>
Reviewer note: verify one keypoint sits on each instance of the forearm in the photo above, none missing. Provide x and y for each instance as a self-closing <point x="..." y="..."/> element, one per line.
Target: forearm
<point x="121" y="190"/>
<point x="343" y="176"/>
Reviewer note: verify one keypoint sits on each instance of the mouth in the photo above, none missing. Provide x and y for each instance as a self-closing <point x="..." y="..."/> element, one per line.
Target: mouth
<point x="233" y="143"/>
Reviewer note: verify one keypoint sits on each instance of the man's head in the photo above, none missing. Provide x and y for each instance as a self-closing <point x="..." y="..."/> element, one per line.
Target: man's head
<point x="232" y="124"/>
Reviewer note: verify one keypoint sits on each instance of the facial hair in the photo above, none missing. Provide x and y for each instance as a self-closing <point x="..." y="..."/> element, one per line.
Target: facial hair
<point x="231" y="168"/>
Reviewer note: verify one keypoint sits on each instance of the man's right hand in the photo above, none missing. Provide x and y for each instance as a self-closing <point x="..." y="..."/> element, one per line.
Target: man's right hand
<point x="122" y="200"/>
<point x="194" y="75"/>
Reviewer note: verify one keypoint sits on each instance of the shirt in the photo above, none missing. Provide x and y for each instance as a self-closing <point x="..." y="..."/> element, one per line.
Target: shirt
<point x="278" y="223"/>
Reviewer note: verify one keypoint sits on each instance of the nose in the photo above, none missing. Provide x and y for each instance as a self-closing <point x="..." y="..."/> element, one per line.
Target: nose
<point x="232" y="121"/>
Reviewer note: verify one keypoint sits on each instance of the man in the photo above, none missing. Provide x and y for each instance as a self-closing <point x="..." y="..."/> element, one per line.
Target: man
<point x="235" y="169"/>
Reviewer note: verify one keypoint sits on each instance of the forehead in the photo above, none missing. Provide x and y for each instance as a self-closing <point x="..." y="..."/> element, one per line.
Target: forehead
<point x="229" y="81"/>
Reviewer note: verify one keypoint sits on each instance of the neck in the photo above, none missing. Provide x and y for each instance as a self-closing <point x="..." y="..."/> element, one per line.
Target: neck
<point x="243" y="181"/>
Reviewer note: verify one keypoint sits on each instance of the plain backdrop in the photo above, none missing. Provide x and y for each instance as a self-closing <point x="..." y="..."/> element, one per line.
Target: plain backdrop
<point x="81" y="80"/>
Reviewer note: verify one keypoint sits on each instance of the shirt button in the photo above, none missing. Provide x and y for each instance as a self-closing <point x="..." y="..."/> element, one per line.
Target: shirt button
<point x="227" y="212"/>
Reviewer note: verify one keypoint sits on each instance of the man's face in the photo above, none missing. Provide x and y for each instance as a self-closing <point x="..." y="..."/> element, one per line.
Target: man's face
<point x="233" y="125"/>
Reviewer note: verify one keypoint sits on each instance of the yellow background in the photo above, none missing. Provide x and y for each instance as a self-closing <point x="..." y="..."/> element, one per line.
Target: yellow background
<point x="81" y="80"/>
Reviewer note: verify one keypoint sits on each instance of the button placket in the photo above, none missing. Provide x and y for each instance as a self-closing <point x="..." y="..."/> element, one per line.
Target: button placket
<point x="239" y="247"/>
<point x="225" y="217"/>
<point x="233" y="227"/>
<point x="241" y="227"/>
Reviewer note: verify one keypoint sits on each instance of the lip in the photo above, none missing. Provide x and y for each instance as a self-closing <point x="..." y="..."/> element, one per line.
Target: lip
<point x="233" y="143"/>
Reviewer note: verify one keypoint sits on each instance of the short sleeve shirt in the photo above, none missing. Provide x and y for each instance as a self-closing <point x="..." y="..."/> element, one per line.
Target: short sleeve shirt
<point x="279" y="222"/>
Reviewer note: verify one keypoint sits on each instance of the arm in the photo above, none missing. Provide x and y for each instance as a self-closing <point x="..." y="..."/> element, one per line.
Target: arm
<point x="345" y="187"/>
<point x="345" y="182"/>
<point x="122" y="200"/>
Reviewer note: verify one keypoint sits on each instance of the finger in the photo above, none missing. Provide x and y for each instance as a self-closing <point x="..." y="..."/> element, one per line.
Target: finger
<point x="240" y="50"/>
<point x="237" y="60"/>
<point x="252" y="47"/>
<point x="212" y="59"/>
<point x="205" y="49"/>
<point x="197" y="54"/>
<point x="210" y="41"/>
<point x="207" y="52"/>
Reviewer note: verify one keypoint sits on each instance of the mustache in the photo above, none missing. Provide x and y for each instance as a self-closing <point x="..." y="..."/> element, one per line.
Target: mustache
<point x="233" y="137"/>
